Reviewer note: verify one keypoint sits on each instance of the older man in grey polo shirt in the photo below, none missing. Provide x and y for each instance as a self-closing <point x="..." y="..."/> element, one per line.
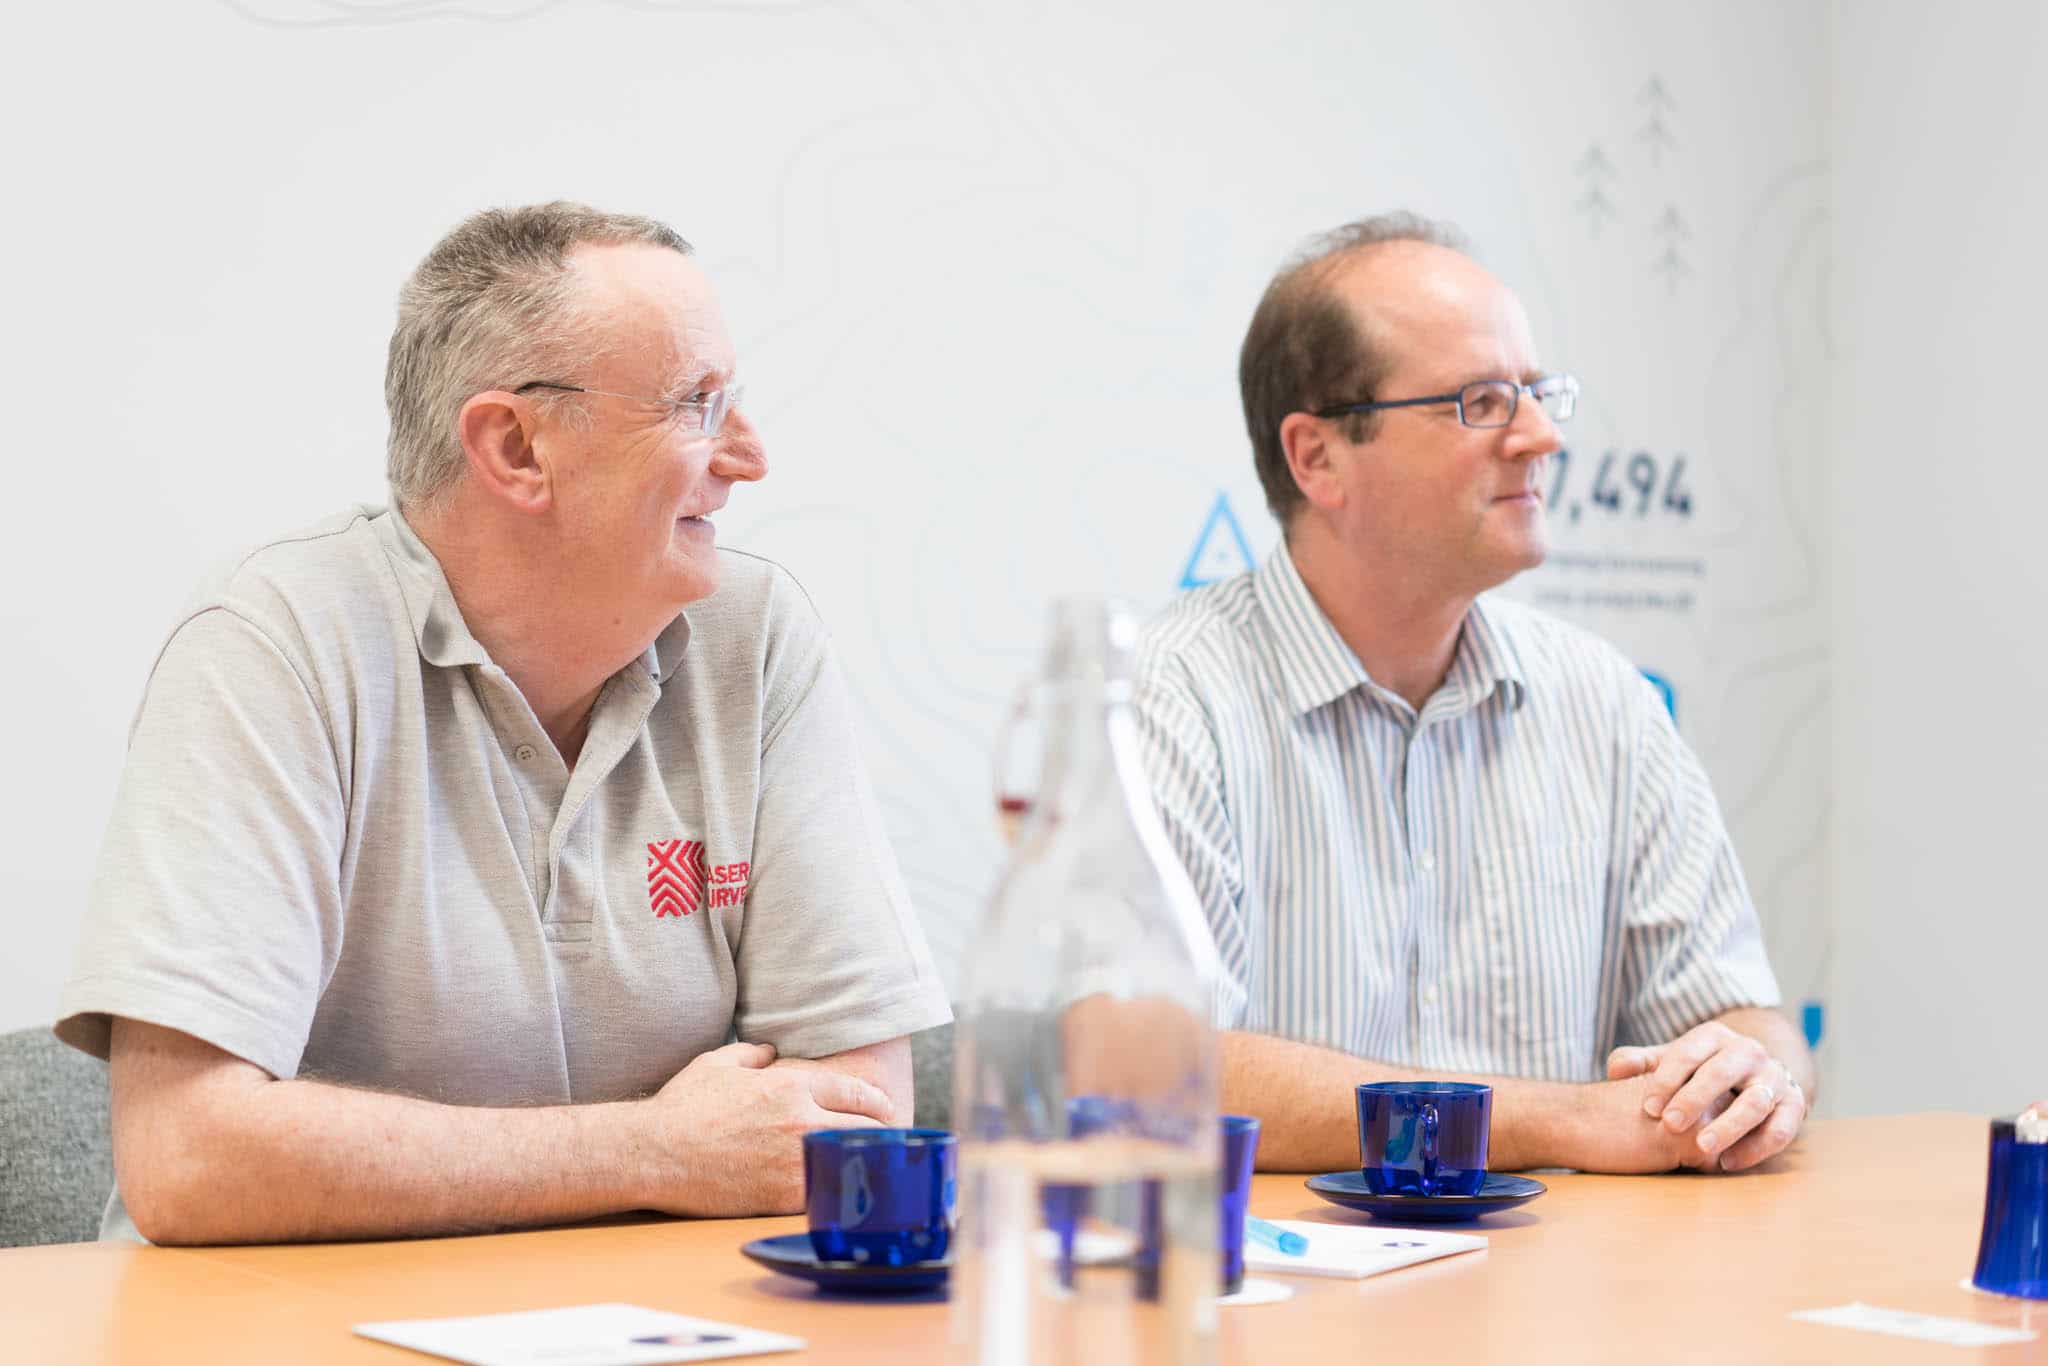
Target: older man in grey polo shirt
<point x="1438" y="833"/>
<point x="458" y="840"/>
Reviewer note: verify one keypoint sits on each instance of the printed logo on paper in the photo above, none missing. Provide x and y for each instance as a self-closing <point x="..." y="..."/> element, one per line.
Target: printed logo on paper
<point x="680" y="879"/>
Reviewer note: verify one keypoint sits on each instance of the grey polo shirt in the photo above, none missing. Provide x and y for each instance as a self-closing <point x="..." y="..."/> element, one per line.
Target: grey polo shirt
<point x="343" y="847"/>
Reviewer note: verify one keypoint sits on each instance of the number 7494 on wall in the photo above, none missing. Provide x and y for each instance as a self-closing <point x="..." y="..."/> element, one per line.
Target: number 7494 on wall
<point x="1632" y="484"/>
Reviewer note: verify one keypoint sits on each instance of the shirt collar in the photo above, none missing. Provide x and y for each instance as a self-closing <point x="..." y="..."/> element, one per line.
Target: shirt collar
<point x="1316" y="667"/>
<point x="444" y="637"/>
<point x="665" y="655"/>
<point x="1487" y="660"/>
<point x="437" y="623"/>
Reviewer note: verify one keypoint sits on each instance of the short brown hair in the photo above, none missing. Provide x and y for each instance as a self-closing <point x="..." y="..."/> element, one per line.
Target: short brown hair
<point x="1304" y="351"/>
<point x="493" y="303"/>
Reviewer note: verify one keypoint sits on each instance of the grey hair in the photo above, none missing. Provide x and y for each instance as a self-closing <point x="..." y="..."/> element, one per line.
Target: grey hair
<point x="1304" y="351"/>
<point x="494" y="303"/>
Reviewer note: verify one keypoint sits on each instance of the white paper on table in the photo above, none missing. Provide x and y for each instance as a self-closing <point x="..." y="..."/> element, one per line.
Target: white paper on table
<point x="582" y="1335"/>
<point x="1354" y="1252"/>
<point x="1256" y="1291"/>
<point x="1091" y="1246"/>
<point x="1926" y="1327"/>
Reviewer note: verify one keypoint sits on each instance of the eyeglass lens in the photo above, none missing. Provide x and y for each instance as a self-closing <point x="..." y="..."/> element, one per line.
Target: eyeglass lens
<point x="1491" y="402"/>
<point x="718" y="405"/>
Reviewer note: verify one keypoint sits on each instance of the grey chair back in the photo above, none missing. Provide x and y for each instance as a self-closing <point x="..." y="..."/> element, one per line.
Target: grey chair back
<point x="56" y="1151"/>
<point x="931" y="1069"/>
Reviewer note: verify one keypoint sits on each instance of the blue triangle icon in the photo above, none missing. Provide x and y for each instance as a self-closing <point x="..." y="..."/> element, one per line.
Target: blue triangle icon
<point x="1217" y="556"/>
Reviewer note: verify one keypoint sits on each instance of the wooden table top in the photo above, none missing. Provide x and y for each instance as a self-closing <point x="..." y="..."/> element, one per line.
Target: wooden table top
<point x="1601" y="1269"/>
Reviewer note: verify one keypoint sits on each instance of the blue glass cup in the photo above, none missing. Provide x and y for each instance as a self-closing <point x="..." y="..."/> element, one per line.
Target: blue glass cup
<point x="1423" y="1137"/>
<point x="880" y="1197"/>
<point x="1063" y="1206"/>
<point x="1240" y="1149"/>
<point x="1233" y="1190"/>
<point x="2012" y="1254"/>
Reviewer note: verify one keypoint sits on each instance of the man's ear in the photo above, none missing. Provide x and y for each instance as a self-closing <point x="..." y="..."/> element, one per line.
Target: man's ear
<point x="1311" y="459"/>
<point x="497" y="431"/>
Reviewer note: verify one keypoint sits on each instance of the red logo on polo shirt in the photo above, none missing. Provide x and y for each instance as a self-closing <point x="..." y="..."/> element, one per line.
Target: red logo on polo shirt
<point x="679" y="880"/>
<point x="675" y="876"/>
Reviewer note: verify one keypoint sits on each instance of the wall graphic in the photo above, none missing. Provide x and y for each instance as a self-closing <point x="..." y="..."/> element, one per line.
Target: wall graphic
<point x="988" y="268"/>
<point x="1684" y="507"/>
<point x="1220" y="551"/>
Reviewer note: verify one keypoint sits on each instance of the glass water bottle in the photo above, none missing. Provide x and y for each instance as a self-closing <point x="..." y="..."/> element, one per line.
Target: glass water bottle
<point x="1085" y="1055"/>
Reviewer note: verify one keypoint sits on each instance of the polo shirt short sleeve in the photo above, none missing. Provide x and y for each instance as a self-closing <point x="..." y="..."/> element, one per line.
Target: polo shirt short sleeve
<point x="344" y="848"/>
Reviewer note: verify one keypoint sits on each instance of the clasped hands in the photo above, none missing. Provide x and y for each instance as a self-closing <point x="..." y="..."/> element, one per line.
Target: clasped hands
<point x="1722" y="1102"/>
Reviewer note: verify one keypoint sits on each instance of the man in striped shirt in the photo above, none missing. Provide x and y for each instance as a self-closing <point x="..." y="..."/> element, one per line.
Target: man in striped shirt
<point x="1438" y="833"/>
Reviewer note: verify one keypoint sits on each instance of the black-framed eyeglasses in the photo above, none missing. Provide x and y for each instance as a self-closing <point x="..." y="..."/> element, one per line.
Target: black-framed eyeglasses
<point x="1486" y="402"/>
<point x="706" y="410"/>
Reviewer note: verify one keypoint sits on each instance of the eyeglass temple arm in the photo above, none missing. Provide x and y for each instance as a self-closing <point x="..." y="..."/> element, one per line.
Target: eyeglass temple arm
<point x="1388" y="403"/>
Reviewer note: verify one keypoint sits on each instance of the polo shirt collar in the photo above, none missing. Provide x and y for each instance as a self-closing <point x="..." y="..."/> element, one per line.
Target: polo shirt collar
<point x="665" y="655"/>
<point x="437" y="624"/>
<point x="1316" y="667"/>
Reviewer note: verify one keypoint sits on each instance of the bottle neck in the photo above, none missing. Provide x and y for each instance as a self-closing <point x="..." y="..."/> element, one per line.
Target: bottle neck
<point x="1089" y="729"/>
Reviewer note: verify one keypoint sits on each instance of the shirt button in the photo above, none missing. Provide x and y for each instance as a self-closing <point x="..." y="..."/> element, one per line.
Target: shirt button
<point x="1426" y="861"/>
<point x="524" y="754"/>
<point x="1429" y="996"/>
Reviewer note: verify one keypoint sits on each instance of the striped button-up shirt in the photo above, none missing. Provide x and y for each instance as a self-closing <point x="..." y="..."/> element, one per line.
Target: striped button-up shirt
<point x="1524" y="874"/>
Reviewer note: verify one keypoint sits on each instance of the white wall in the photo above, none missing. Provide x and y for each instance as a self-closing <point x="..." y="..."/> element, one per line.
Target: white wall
<point x="988" y="267"/>
<point x="1940" y="494"/>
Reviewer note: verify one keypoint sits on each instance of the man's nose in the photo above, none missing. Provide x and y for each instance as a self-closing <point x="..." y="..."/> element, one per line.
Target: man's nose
<point x="737" y="451"/>
<point x="1533" y="432"/>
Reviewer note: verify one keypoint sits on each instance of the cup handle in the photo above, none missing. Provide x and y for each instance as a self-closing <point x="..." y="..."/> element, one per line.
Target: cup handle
<point x="1429" y="1149"/>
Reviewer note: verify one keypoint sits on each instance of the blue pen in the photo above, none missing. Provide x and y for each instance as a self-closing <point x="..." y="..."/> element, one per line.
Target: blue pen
<point x="1274" y="1236"/>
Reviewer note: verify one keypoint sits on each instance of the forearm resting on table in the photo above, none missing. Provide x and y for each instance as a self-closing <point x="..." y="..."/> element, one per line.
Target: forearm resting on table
<point x="1304" y="1098"/>
<point x="886" y="1065"/>
<point x="209" y="1148"/>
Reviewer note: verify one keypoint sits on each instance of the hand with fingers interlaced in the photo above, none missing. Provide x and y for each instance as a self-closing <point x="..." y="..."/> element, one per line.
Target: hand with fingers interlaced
<point x="1723" y="1089"/>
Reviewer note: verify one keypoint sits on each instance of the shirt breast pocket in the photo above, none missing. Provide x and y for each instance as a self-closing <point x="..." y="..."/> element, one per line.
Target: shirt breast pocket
<point x="1543" y="907"/>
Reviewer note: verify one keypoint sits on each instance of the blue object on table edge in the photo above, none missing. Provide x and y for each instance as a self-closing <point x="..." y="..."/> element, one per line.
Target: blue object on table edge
<point x="1282" y="1240"/>
<point x="792" y="1255"/>
<point x="1499" y="1192"/>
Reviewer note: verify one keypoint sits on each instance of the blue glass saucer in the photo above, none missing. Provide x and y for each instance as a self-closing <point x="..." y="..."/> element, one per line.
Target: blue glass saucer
<point x="793" y="1255"/>
<point x="1499" y="1192"/>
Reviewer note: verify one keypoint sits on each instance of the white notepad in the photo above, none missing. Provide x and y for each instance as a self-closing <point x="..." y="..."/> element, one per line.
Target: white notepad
<point x="1354" y="1252"/>
<point x="1926" y="1327"/>
<point x="583" y="1335"/>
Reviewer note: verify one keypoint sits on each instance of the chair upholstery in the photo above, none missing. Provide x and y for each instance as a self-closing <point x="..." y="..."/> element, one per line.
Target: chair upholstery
<point x="56" y="1152"/>
<point x="931" y="1062"/>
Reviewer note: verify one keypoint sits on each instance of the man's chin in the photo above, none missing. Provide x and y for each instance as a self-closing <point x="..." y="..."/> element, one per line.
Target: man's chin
<point x="1513" y="561"/>
<point x="694" y="578"/>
